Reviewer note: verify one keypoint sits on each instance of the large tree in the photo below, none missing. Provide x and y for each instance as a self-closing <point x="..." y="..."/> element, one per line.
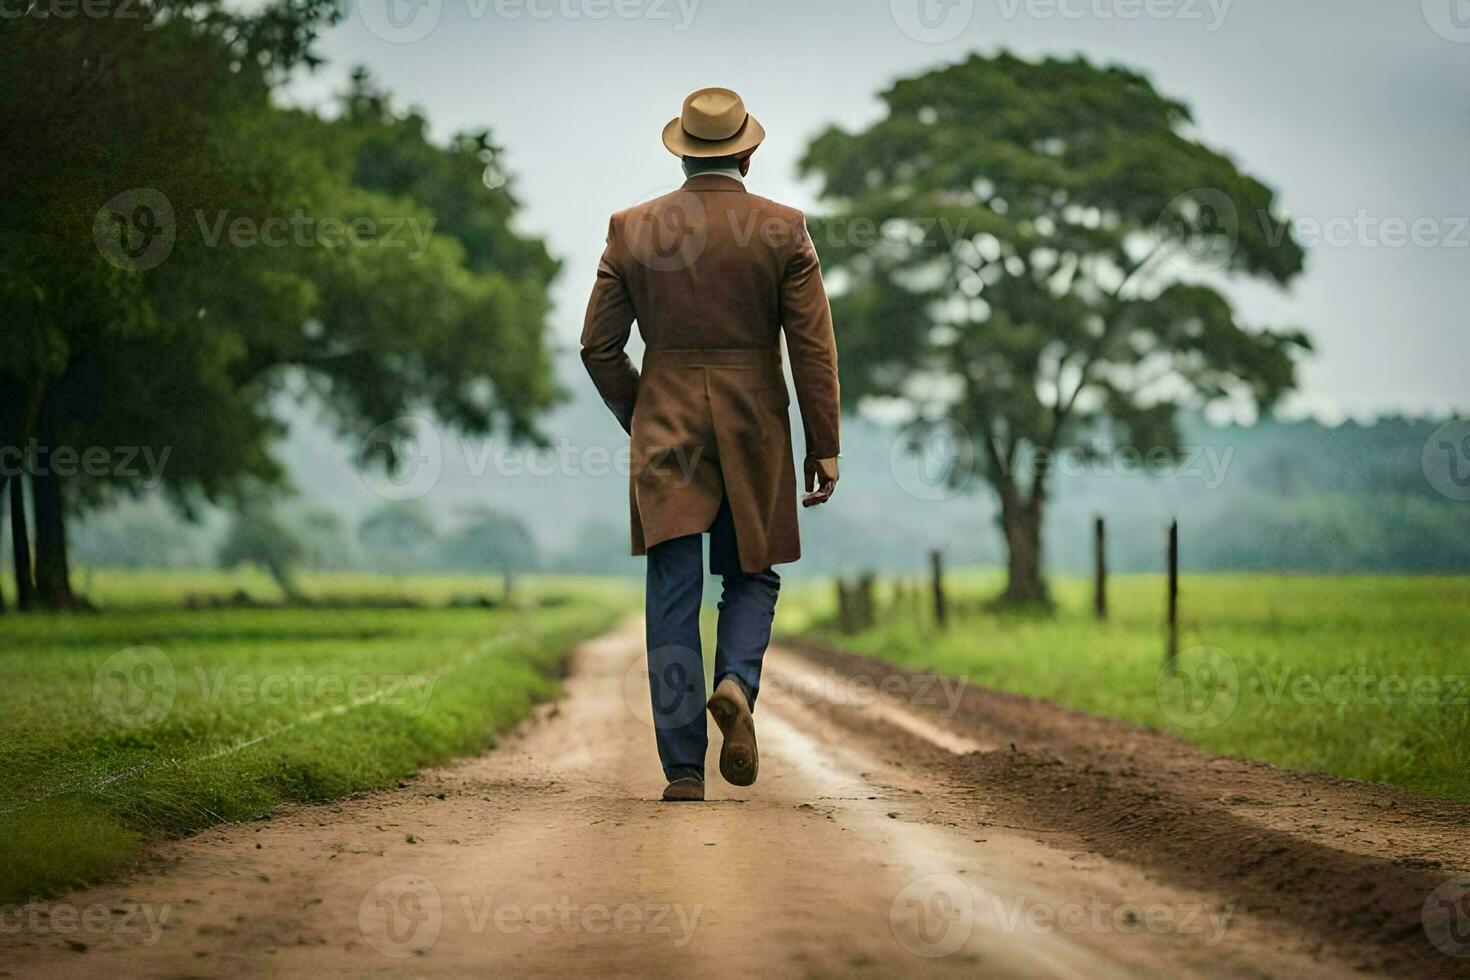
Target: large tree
<point x="394" y="283"/>
<point x="101" y="118"/>
<point x="490" y="540"/>
<point x="397" y="535"/>
<point x="1029" y="253"/>
<point x="258" y="537"/>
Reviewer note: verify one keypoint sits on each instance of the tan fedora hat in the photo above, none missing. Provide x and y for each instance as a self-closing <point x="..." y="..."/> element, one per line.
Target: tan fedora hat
<point x="714" y="123"/>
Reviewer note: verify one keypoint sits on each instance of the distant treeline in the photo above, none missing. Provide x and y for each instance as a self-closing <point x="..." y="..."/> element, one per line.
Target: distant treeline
<point x="1275" y="496"/>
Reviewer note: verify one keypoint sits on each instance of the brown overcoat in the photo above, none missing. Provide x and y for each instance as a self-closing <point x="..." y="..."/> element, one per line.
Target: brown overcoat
<point x="713" y="275"/>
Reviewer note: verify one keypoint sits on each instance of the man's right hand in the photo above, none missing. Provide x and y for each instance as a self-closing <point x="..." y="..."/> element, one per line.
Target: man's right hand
<point x="821" y="481"/>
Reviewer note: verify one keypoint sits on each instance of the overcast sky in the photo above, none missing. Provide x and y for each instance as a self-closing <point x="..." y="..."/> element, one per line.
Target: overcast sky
<point x="1357" y="111"/>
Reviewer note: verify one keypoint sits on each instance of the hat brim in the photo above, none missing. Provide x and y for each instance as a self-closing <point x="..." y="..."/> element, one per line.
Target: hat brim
<point x="681" y="144"/>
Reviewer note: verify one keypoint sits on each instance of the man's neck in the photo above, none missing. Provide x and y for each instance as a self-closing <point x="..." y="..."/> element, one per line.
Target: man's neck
<point x="733" y="172"/>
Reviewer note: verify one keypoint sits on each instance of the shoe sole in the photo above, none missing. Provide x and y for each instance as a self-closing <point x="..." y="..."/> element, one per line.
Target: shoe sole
<point x="739" y="759"/>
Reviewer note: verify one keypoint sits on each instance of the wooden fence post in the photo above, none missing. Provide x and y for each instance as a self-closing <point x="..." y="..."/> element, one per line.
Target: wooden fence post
<point x="1100" y="568"/>
<point x="865" y="615"/>
<point x="1173" y="618"/>
<point x="936" y="562"/>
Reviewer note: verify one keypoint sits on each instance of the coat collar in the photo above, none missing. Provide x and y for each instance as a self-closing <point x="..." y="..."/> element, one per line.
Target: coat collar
<point x="713" y="182"/>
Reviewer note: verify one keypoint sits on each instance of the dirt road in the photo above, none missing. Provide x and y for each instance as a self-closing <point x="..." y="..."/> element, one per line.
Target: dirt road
<point x="896" y="828"/>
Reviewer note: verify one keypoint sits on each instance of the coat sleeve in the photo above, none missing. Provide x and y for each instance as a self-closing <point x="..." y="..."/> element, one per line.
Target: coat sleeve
<point x="605" y="334"/>
<point x="806" y="318"/>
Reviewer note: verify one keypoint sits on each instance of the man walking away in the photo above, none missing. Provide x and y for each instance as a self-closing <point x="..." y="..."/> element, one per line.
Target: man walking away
<point x="713" y="275"/>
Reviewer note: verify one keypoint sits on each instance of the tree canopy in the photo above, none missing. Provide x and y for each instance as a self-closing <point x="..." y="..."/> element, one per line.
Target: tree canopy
<point x="1031" y="253"/>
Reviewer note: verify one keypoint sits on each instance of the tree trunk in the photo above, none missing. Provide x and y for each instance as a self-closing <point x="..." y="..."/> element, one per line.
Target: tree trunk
<point x="20" y="539"/>
<point x="4" y="482"/>
<point x="284" y="580"/>
<point x="1024" y="582"/>
<point x="53" y="566"/>
<point x="53" y="569"/>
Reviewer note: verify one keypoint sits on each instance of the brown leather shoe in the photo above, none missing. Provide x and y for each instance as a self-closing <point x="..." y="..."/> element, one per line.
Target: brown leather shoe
<point x="739" y="759"/>
<point x="686" y="790"/>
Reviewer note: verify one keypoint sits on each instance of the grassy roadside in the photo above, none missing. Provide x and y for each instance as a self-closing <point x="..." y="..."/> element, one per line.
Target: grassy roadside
<point x="169" y="589"/>
<point x="134" y="724"/>
<point x="1361" y="677"/>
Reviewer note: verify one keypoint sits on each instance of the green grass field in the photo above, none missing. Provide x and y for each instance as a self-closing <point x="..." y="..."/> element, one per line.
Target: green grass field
<point x="1362" y="677"/>
<point x="145" y="721"/>
<point x="114" y="589"/>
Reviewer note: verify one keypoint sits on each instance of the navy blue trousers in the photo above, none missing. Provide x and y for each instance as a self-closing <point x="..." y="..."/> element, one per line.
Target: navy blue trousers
<point x="675" y="649"/>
